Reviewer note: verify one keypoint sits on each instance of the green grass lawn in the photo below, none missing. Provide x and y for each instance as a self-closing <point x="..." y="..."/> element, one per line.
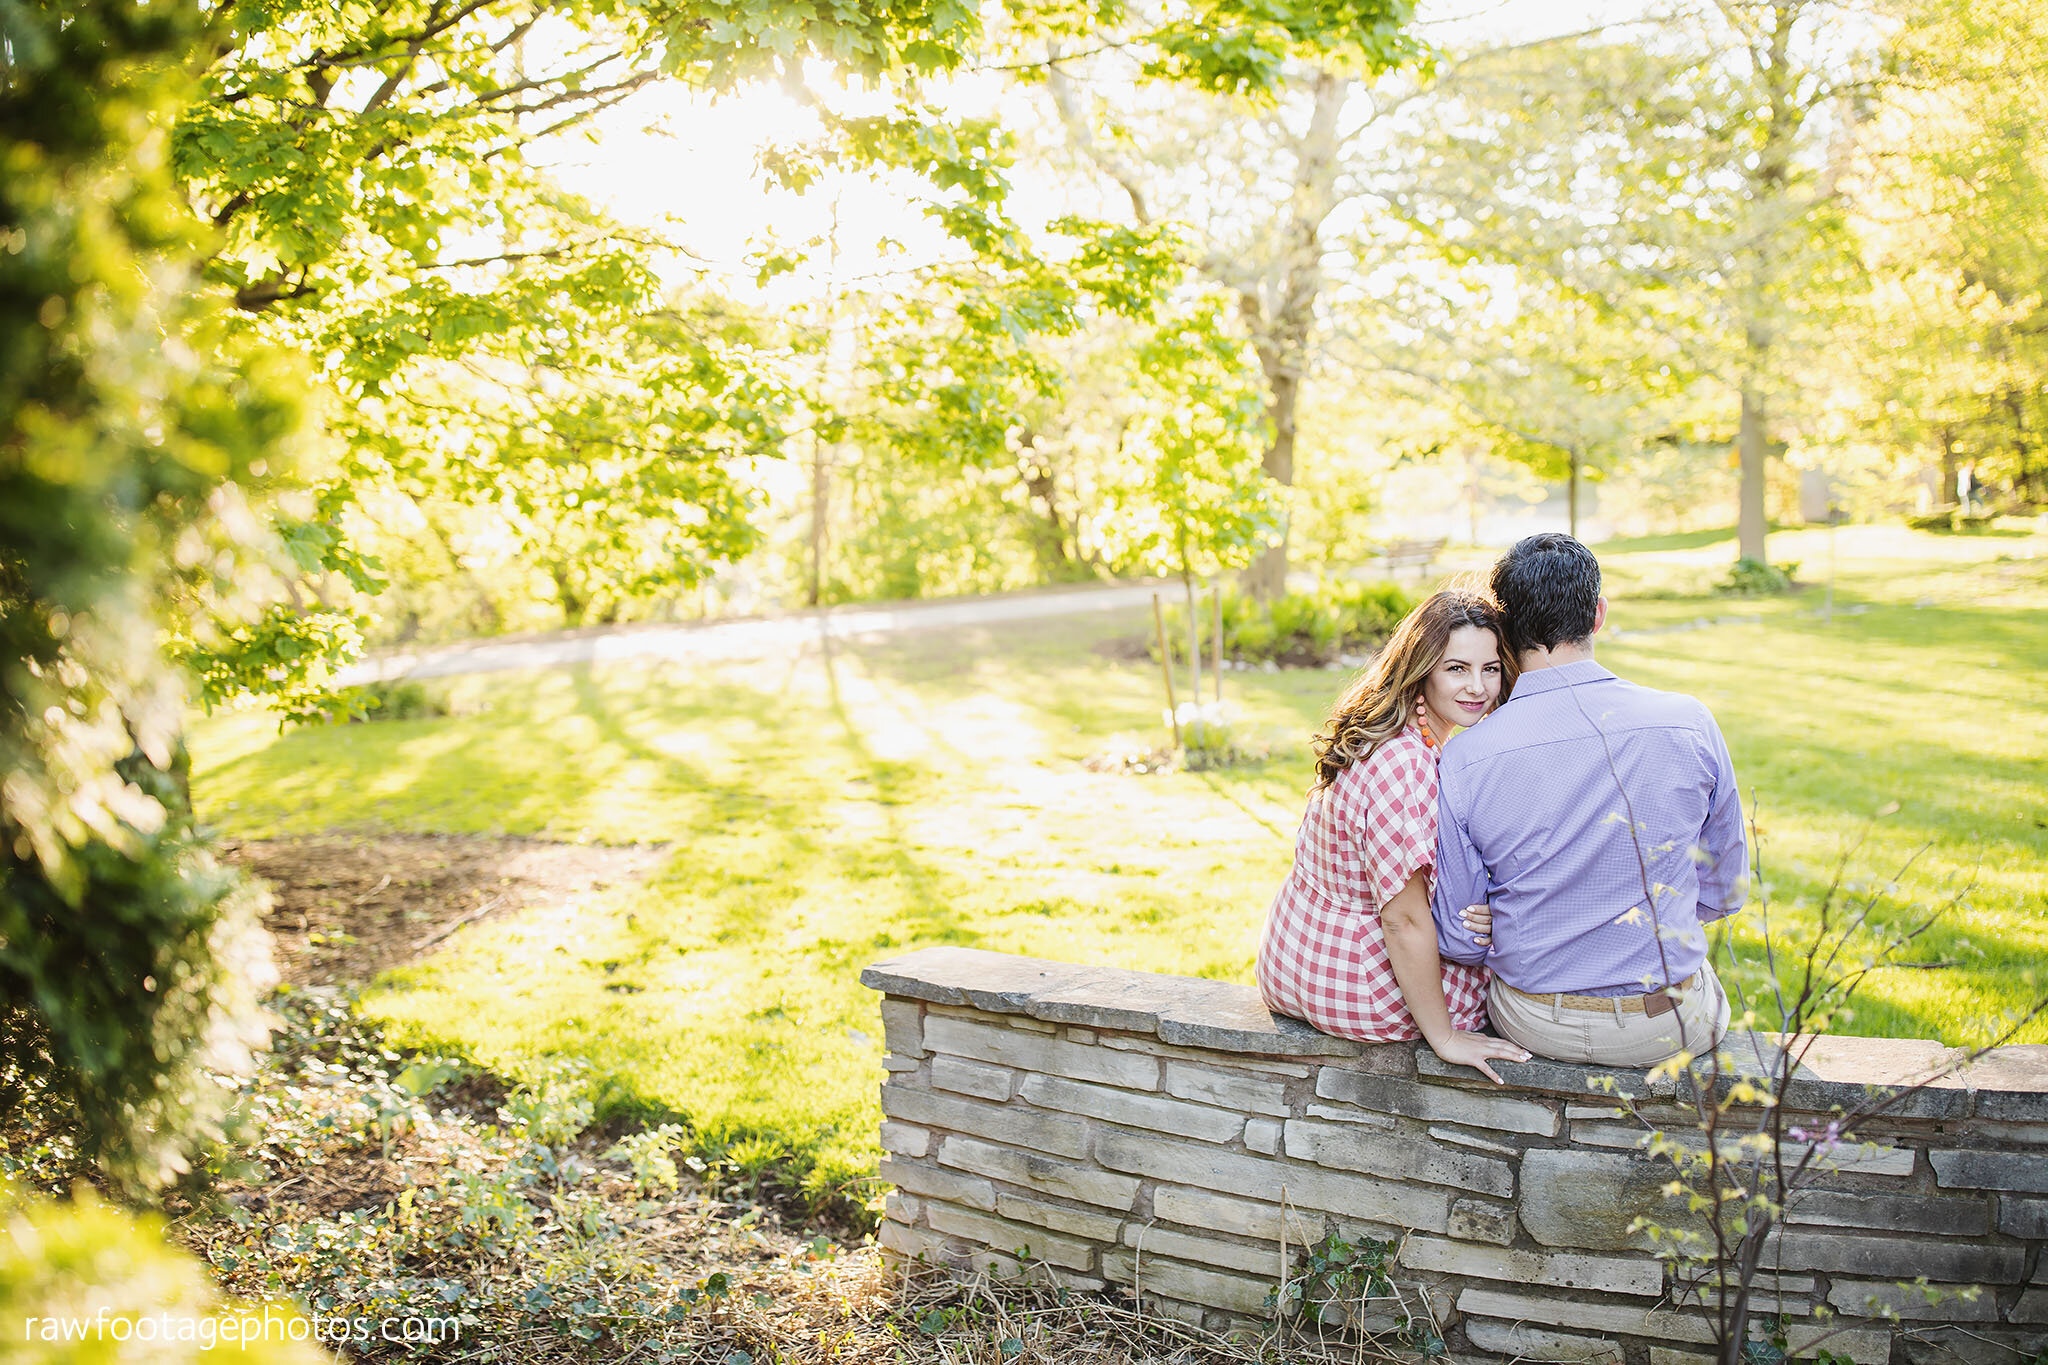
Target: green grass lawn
<point x="864" y="799"/>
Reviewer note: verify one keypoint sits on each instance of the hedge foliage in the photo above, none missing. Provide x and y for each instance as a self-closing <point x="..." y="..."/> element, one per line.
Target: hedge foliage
<point x="1301" y="629"/>
<point x="126" y="430"/>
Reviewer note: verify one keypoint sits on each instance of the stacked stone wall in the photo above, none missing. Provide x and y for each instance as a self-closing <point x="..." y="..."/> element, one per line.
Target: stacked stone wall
<point x="1169" y="1137"/>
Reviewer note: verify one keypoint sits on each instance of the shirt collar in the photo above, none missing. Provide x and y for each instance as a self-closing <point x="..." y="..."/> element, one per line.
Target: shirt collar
<point x="1560" y="675"/>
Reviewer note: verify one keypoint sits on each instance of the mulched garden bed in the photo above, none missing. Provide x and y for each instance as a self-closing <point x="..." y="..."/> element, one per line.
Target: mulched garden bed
<point x="348" y="906"/>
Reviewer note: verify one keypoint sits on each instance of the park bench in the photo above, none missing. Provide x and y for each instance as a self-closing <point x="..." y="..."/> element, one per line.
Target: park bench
<point x="1412" y="554"/>
<point x="1951" y="517"/>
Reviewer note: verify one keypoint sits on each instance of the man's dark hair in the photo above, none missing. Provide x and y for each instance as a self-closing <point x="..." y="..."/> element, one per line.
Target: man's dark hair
<point x="1548" y="586"/>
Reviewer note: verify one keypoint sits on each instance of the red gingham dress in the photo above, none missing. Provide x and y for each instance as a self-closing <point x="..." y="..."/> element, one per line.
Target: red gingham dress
<point x="1324" y="957"/>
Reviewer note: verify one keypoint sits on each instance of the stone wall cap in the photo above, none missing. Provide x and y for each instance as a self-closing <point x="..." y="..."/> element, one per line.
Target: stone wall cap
<point x="1190" y="1011"/>
<point x="1838" y="1071"/>
<point x="1842" y="1072"/>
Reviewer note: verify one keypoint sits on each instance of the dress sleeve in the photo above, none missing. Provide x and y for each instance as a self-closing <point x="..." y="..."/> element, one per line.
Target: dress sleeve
<point x="1396" y="813"/>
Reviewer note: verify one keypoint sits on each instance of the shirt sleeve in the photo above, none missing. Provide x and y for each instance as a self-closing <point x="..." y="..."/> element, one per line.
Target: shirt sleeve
<point x="1723" y="851"/>
<point x="1396" y="822"/>
<point x="1460" y="873"/>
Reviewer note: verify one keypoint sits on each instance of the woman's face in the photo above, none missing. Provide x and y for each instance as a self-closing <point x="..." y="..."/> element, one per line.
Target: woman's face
<point x="1465" y="683"/>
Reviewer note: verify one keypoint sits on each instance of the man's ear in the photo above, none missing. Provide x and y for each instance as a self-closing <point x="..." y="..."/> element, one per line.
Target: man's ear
<point x="1599" y="614"/>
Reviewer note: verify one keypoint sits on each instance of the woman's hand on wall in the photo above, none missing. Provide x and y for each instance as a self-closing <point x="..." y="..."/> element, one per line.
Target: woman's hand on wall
<point x="1460" y="1048"/>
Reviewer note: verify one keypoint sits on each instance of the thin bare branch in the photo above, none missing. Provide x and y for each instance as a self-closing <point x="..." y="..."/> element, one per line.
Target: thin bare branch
<point x="1067" y="100"/>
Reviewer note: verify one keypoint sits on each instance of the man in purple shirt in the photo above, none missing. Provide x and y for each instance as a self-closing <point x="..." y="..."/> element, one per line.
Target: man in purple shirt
<point x="1598" y="950"/>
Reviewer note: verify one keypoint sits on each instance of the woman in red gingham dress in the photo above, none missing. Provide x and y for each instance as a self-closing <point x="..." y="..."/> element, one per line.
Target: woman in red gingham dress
<point x="1351" y="924"/>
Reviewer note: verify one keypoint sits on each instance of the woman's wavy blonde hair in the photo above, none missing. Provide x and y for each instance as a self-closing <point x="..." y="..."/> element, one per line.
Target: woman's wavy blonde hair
<point x="1375" y="707"/>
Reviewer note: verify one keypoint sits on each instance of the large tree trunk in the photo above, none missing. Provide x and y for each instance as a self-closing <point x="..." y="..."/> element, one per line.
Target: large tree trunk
<point x="2025" y="478"/>
<point x="1571" y="496"/>
<point x="1045" y="525"/>
<point x="1282" y="319"/>
<point x="1267" y="576"/>
<point x="1948" y="463"/>
<point x="1754" y="451"/>
<point x="1277" y="297"/>
<point x="1770" y="60"/>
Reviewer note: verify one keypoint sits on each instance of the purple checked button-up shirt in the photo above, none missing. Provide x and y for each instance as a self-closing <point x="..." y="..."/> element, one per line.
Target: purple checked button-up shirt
<point x="1531" y="816"/>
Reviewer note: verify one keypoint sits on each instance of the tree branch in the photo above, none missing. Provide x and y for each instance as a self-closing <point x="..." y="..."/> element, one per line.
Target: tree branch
<point x="1066" y="99"/>
<point x="254" y="298"/>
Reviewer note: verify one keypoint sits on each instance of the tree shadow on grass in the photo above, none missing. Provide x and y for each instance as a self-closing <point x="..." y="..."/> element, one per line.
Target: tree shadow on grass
<point x="1228" y="792"/>
<point x="411" y="775"/>
<point x="1877" y="1009"/>
<point x="1982" y="532"/>
<point x="1026" y="663"/>
<point x="2014" y="633"/>
<point x="935" y="921"/>
<point x="780" y="817"/>
<point x="707" y="995"/>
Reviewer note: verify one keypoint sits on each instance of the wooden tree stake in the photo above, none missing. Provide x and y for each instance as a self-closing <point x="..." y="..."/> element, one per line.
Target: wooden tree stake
<point x="1219" y="644"/>
<point x="1166" y="667"/>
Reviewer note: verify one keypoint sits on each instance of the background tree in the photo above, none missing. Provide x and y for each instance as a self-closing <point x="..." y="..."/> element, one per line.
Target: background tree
<point x="1197" y="499"/>
<point x="1530" y="371"/>
<point x="615" y="466"/>
<point x="380" y="208"/>
<point x="1262" y="183"/>
<point x="1797" y="97"/>
<point x="1952" y="195"/>
<point x="1684" y="184"/>
<point x="476" y="328"/>
<point x="960" y="395"/>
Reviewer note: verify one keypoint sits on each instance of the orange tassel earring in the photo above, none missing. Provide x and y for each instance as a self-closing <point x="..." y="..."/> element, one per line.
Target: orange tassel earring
<point x="1422" y="721"/>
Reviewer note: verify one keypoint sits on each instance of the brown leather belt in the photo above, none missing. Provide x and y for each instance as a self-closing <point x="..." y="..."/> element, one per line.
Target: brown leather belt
<point x="1654" y="1003"/>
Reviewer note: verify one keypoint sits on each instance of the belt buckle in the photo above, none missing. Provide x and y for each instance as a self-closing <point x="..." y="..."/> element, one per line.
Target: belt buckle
<point x="1665" y="999"/>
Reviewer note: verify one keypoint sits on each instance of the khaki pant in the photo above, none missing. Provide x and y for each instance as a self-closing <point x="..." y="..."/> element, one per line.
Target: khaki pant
<point x="1613" y="1037"/>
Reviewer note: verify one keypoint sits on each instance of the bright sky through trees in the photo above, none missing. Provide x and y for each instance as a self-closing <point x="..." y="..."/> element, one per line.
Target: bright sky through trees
<point x="687" y="158"/>
<point x="673" y="154"/>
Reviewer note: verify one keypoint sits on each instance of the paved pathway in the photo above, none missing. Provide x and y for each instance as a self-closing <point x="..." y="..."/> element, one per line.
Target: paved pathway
<point x="699" y="640"/>
<point x="761" y="637"/>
